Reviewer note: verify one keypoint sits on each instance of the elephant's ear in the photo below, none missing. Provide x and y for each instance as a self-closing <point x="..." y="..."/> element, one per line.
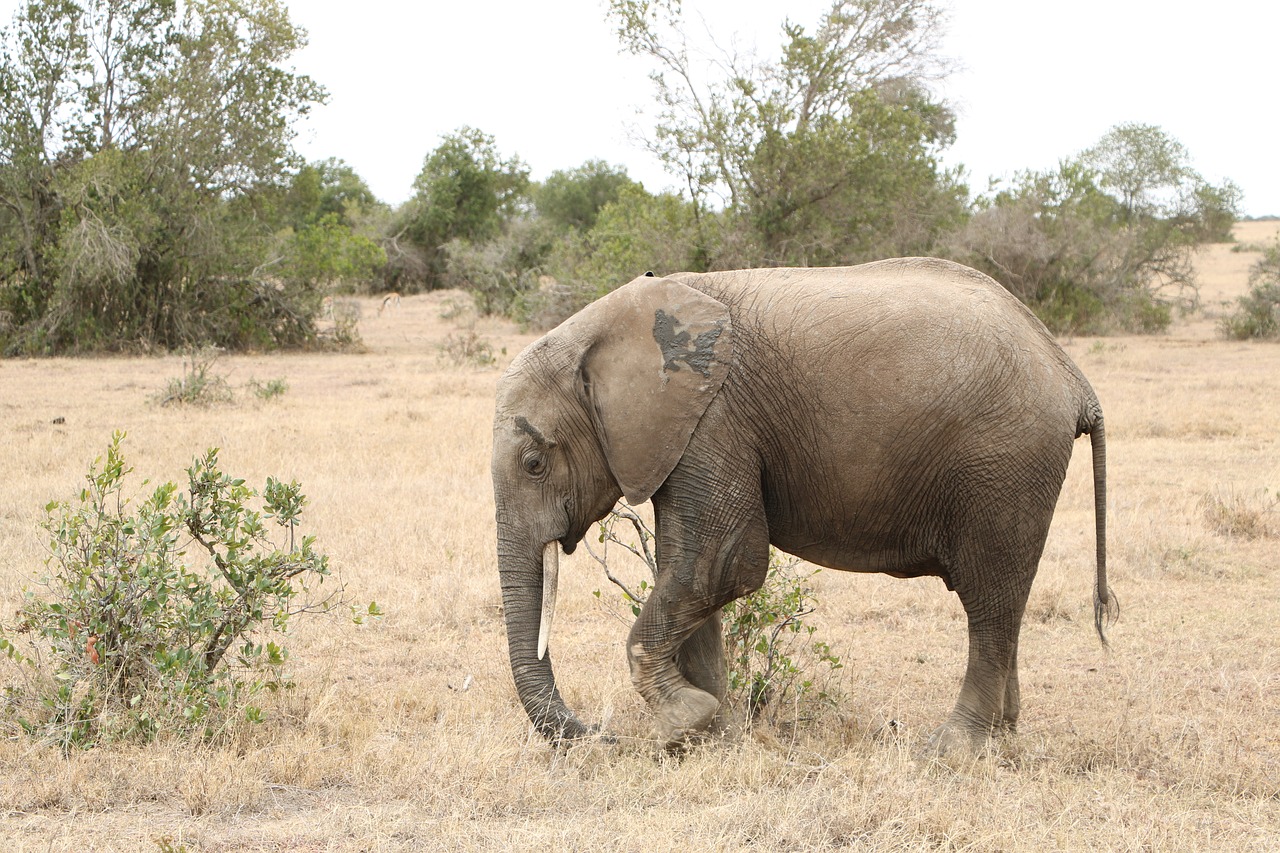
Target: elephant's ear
<point x="658" y="352"/>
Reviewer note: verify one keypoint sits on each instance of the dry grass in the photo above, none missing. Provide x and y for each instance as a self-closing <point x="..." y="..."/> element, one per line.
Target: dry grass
<point x="1170" y="741"/>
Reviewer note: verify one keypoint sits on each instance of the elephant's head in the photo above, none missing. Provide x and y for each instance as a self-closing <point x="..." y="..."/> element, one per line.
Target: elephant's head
<point x="603" y="406"/>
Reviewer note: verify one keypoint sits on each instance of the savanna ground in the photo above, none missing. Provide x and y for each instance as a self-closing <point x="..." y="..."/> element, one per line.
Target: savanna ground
<point x="406" y="734"/>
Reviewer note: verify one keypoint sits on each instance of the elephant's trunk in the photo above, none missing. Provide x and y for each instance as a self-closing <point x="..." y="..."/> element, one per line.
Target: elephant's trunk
<point x="523" y="580"/>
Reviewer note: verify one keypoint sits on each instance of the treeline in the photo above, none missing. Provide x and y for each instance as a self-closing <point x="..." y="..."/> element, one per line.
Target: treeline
<point x="150" y="196"/>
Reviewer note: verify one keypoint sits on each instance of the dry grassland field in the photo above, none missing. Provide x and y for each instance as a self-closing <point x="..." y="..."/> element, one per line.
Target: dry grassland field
<point x="406" y="734"/>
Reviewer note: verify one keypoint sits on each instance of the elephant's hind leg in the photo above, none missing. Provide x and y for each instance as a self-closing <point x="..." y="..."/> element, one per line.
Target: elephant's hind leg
<point x="1012" y="693"/>
<point x="989" y="697"/>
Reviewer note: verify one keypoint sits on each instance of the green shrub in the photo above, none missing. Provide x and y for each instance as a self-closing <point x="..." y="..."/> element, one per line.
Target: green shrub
<point x="199" y="384"/>
<point x="775" y="661"/>
<point x="163" y="615"/>
<point x="774" y="658"/>
<point x="1257" y="314"/>
<point x="268" y="390"/>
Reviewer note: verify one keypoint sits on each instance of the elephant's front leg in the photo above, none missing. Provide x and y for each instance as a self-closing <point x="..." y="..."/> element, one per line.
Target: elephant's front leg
<point x="675" y="649"/>
<point x="701" y="659"/>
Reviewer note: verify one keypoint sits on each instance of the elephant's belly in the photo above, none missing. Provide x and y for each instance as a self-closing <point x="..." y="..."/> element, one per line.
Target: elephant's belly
<point x="889" y="561"/>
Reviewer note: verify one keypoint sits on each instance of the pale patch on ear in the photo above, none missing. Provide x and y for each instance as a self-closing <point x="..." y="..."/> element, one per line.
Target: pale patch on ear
<point x="658" y="355"/>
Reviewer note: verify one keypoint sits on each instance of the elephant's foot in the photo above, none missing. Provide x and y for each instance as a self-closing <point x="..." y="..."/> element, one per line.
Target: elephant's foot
<point x="953" y="741"/>
<point x="687" y="712"/>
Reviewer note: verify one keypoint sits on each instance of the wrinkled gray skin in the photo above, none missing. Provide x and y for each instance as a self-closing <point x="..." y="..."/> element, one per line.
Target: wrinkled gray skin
<point x="908" y="417"/>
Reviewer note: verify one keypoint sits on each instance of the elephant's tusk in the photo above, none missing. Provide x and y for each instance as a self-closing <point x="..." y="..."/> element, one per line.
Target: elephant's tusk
<point x="550" y="577"/>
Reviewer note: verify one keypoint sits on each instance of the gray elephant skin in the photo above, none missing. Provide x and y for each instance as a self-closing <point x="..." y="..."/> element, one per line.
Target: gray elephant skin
<point x="909" y="417"/>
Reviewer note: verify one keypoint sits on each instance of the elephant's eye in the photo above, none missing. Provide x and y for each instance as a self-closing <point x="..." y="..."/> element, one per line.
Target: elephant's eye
<point x="534" y="464"/>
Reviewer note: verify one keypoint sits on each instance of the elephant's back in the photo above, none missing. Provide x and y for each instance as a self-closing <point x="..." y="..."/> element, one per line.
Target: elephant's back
<point x="920" y="291"/>
<point x="883" y="340"/>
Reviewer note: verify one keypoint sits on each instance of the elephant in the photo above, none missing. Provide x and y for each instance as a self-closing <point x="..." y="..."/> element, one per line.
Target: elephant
<point x="907" y="416"/>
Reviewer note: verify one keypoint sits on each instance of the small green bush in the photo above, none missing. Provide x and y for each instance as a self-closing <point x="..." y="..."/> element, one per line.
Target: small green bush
<point x="199" y="384"/>
<point x="1257" y="314"/>
<point x="775" y="660"/>
<point x="165" y="615"/>
<point x="268" y="390"/>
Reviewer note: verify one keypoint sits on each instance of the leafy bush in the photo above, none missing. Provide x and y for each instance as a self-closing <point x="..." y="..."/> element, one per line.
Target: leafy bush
<point x="1257" y="314"/>
<point x="773" y="654"/>
<point x="774" y="657"/>
<point x="165" y="615"/>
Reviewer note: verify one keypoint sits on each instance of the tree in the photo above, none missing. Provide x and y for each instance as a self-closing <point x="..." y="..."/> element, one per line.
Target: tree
<point x="465" y="191"/>
<point x="572" y="199"/>
<point x="326" y="255"/>
<point x="1150" y="174"/>
<point x="144" y="143"/>
<point x="1103" y="241"/>
<point x="861" y="186"/>
<point x="324" y="188"/>
<point x="330" y="238"/>
<point x="636" y="233"/>
<point x="42" y="56"/>
<point x="841" y="126"/>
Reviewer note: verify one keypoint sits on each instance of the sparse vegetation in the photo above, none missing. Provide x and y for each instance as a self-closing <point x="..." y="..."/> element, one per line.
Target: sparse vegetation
<point x="468" y="348"/>
<point x="268" y="390"/>
<point x="344" y="330"/>
<point x="1230" y="513"/>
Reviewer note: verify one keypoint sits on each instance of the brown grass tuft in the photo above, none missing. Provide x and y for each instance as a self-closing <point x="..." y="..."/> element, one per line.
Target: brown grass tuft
<point x="1231" y="514"/>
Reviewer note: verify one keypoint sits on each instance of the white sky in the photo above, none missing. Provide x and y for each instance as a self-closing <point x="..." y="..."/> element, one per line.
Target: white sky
<point x="1040" y="81"/>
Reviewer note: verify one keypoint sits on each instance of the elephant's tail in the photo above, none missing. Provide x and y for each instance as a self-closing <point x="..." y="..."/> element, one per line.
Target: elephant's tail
<point x="1106" y="609"/>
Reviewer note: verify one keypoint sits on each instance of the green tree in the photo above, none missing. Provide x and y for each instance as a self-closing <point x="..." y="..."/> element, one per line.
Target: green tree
<point x="825" y="154"/>
<point x="324" y="188"/>
<point x="863" y="185"/>
<point x="1150" y="175"/>
<point x="330" y="241"/>
<point x="1105" y="240"/>
<point x="144" y="142"/>
<point x="327" y="255"/>
<point x="466" y="191"/>
<point x="637" y="233"/>
<point x="571" y="199"/>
